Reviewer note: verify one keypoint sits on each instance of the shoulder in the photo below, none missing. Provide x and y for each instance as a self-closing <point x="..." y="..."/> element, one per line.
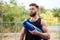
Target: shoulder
<point x="26" y="19"/>
<point x="43" y="22"/>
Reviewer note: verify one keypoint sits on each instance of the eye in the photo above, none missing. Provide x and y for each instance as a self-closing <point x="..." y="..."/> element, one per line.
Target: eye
<point x="31" y="9"/>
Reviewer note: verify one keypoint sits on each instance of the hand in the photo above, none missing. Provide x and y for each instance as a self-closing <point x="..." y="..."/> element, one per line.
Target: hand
<point x="34" y="32"/>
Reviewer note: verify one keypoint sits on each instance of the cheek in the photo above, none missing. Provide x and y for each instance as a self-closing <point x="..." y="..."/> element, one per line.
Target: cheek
<point x="36" y="10"/>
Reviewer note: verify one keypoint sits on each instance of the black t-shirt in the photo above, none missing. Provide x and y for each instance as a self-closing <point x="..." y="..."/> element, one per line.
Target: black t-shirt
<point x="29" y="36"/>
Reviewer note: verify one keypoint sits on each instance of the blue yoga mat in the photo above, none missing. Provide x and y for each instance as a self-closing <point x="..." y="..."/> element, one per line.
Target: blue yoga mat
<point x="30" y="26"/>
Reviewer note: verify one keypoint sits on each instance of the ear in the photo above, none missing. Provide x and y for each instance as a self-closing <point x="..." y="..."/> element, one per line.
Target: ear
<point x="37" y="10"/>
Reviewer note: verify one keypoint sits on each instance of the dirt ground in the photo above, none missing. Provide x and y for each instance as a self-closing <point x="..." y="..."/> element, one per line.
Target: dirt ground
<point x="15" y="36"/>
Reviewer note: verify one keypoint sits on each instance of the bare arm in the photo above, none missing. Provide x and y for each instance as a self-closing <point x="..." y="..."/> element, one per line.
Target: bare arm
<point x="46" y="32"/>
<point x="22" y="33"/>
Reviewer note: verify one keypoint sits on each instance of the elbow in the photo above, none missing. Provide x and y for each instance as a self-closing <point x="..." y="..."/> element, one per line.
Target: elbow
<point x="47" y="36"/>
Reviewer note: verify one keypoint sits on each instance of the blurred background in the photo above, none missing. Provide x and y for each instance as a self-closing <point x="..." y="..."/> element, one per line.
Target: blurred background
<point x="14" y="12"/>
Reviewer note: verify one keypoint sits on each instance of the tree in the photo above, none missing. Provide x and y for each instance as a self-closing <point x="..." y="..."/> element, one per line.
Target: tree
<point x="12" y="15"/>
<point x="42" y="9"/>
<point x="56" y="12"/>
<point x="50" y="19"/>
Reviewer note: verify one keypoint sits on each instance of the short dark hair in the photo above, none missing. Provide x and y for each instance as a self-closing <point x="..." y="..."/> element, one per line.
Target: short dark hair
<point x="33" y="4"/>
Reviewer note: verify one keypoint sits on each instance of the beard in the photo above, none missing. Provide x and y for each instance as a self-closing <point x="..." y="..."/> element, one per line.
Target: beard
<point x="32" y="15"/>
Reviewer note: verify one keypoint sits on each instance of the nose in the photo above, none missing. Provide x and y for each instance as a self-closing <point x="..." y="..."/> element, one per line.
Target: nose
<point x="30" y="10"/>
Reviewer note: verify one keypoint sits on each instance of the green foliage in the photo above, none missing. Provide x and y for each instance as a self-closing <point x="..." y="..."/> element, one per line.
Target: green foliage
<point x="42" y="9"/>
<point x="56" y="12"/>
<point x="12" y="15"/>
<point x="50" y="19"/>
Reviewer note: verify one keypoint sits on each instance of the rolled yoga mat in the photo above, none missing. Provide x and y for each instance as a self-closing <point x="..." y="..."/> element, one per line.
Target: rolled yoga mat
<point x="30" y="26"/>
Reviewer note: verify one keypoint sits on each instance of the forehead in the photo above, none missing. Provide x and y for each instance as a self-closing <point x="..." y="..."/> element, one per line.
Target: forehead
<point x="32" y="7"/>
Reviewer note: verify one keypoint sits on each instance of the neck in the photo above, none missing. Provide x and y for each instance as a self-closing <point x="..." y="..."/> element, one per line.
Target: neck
<point x="35" y="17"/>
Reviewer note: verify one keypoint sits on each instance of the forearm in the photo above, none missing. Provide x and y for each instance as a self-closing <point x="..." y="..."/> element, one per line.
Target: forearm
<point x="21" y="37"/>
<point x="44" y="35"/>
<point x="22" y="34"/>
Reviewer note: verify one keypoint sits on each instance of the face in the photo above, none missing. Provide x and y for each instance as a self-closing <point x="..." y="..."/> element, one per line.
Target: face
<point x="33" y="11"/>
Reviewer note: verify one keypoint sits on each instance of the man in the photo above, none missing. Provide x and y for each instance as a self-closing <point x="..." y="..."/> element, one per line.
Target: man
<point x="36" y="21"/>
